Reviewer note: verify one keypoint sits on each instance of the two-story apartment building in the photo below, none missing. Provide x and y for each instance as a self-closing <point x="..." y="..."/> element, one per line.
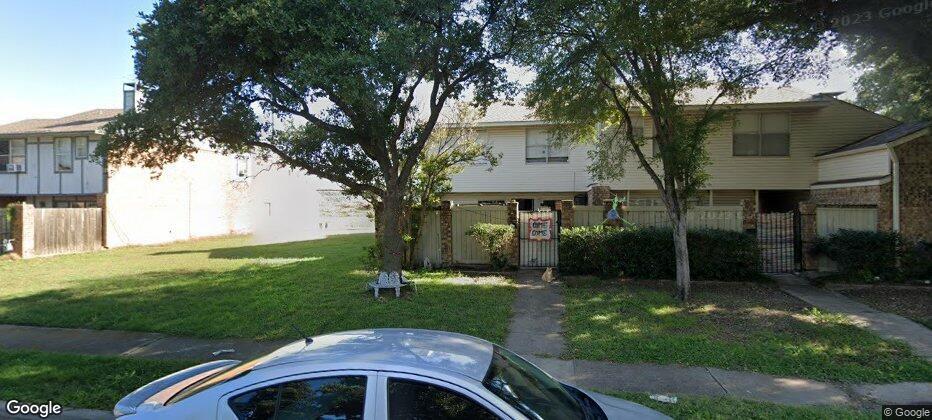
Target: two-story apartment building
<point x="765" y="152"/>
<point x="48" y="163"/>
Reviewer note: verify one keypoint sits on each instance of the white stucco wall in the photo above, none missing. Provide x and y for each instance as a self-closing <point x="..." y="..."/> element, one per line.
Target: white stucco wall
<point x="190" y="199"/>
<point x="288" y="205"/>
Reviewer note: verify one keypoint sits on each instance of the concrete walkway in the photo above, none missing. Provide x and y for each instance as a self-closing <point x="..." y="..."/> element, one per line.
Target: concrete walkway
<point x="537" y="313"/>
<point x="129" y="343"/>
<point x="885" y="324"/>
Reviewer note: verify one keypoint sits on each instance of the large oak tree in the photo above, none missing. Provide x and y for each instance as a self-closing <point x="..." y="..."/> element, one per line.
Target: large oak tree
<point x="347" y="90"/>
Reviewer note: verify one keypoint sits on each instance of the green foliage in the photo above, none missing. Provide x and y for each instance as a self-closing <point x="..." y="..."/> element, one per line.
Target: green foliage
<point x="496" y="239"/>
<point x="873" y="256"/>
<point x="648" y="253"/>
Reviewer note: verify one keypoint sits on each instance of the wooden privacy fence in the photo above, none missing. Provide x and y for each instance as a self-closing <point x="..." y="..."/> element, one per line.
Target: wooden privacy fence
<point x="65" y="231"/>
<point x="714" y="217"/>
<point x="832" y="219"/>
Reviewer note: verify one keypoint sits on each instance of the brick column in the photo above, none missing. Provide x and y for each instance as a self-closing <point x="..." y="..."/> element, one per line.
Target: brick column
<point x="512" y="207"/>
<point x="446" y="234"/>
<point x="24" y="230"/>
<point x="749" y="219"/>
<point x="597" y="194"/>
<point x="566" y="213"/>
<point x="807" y="233"/>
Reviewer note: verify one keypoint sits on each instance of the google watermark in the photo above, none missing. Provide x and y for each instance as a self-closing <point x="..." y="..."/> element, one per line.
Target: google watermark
<point x="923" y="411"/>
<point x="883" y="13"/>
<point x="44" y="410"/>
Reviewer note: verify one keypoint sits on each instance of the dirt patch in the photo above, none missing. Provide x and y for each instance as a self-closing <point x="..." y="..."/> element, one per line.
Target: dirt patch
<point x="915" y="303"/>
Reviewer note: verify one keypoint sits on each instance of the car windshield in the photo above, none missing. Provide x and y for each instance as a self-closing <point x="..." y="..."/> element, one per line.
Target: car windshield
<point x="530" y="390"/>
<point x="223" y="375"/>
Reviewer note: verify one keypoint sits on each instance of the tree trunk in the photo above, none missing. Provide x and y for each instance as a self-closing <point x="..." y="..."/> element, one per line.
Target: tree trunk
<point x="682" y="256"/>
<point x="393" y="246"/>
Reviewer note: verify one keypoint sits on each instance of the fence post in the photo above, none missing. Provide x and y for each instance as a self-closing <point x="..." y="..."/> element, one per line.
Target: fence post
<point x="808" y="233"/>
<point x="567" y="212"/>
<point x="749" y="216"/>
<point x="446" y="234"/>
<point x="24" y="230"/>
<point x="512" y="207"/>
<point x="102" y="203"/>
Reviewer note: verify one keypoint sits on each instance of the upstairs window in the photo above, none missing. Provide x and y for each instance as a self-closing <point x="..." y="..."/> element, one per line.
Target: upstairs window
<point x="12" y="155"/>
<point x="539" y="148"/>
<point x="761" y="134"/>
<point x="64" y="155"/>
<point x="80" y="148"/>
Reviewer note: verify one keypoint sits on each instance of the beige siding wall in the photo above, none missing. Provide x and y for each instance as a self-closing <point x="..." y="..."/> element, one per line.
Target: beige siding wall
<point x="812" y="131"/>
<point x="40" y="177"/>
<point x="860" y="165"/>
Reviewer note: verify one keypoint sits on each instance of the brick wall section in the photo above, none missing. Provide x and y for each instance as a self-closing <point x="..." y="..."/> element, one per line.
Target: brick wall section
<point x="597" y="194"/>
<point x="915" y="162"/>
<point x="24" y="232"/>
<point x="565" y="207"/>
<point x="513" y="256"/>
<point x="848" y="196"/>
<point x="885" y="207"/>
<point x="446" y="234"/>
<point x="102" y="203"/>
<point x="749" y="215"/>
<point x="808" y="233"/>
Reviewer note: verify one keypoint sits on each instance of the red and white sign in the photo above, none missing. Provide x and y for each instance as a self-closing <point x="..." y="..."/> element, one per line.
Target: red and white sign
<point x="540" y="228"/>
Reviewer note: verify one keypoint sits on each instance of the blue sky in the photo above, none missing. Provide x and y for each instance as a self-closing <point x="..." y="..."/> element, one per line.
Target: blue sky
<point x="64" y="56"/>
<point x="67" y="56"/>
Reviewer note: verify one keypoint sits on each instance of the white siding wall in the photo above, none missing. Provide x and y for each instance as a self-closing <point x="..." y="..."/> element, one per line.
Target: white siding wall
<point x="190" y="199"/>
<point x="812" y="131"/>
<point x="868" y="164"/>
<point x="87" y="177"/>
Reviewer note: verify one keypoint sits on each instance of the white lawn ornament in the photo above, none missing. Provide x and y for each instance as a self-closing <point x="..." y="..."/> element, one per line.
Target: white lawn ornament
<point x="427" y="263"/>
<point x="393" y="280"/>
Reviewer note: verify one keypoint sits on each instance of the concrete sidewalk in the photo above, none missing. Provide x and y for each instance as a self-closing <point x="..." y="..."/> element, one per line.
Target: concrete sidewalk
<point x="537" y="315"/>
<point x="885" y="324"/>
<point x="129" y="343"/>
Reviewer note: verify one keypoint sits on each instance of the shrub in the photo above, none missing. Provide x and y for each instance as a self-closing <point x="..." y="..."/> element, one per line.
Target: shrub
<point x="872" y="256"/>
<point x="495" y="239"/>
<point x="648" y="253"/>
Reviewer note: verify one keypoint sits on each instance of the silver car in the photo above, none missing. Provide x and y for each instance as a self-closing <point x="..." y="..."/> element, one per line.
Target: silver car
<point x="374" y="374"/>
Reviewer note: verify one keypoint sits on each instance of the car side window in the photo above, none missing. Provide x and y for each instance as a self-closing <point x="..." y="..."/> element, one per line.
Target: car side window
<point x="336" y="398"/>
<point x="418" y="400"/>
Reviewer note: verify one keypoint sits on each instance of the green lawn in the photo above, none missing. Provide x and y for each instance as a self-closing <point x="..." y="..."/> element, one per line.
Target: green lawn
<point x="731" y="408"/>
<point x="76" y="381"/>
<point x="224" y="287"/>
<point x="732" y="326"/>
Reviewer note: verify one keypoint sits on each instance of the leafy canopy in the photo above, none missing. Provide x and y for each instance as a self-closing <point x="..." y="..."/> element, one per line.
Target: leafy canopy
<point x="602" y="64"/>
<point x="347" y="90"/>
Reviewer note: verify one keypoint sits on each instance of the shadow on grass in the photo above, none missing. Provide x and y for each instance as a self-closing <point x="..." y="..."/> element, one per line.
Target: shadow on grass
<point x="314" y="249"/>
<point x="260" y="302"/>
<point x="748" y="327"/>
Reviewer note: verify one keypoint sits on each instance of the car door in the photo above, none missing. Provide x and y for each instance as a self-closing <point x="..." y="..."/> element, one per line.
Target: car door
<point x="403" y="396"/>
<point x="333" y="395"/>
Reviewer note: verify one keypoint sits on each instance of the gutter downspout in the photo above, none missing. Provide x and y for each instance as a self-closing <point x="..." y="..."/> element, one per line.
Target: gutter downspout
<point x="896" y="188"/>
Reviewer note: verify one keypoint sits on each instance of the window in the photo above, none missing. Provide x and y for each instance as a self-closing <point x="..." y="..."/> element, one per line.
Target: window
<point x="540" y="149"/>
<point x="241" y="169"/>
<point x="12" y="155"/>
<point x="418" y="400"/>
<point x="761" y="134"/>
<point x="320" y="398"/>
<point x="80" y="148"/>
<point x="64" y="155"/>
<point x="531" y="391"/>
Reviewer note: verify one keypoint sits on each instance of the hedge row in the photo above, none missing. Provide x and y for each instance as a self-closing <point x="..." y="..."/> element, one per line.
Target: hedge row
<point x="648" y="253"/>
<point x="876" y="256"/>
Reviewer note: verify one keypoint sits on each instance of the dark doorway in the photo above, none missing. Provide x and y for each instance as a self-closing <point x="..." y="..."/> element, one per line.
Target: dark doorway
<point x="525" y="204"/>
<point x="781" y="201"/>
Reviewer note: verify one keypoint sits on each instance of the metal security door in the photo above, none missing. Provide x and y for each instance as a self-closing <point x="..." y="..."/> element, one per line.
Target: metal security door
<point x="778" y="237"/>
<point x="539" y="238"/>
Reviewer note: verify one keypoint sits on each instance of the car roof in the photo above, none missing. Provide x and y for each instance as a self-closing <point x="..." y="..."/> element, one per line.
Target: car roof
<point x="419" y="349"/>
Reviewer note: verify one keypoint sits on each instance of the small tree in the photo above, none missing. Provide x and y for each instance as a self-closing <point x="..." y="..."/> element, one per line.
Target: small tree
<point x="602" y="63"/>
<point x="454" y="145"/>
<point x="496" y="239"/>
<point x="349" y="91"/>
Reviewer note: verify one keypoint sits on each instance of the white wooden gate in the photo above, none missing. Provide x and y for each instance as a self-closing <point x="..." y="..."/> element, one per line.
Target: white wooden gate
<point x="538" y="238"/>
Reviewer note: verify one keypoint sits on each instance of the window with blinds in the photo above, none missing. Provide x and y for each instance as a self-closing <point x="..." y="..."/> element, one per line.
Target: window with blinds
<point x="761" y="134"/>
